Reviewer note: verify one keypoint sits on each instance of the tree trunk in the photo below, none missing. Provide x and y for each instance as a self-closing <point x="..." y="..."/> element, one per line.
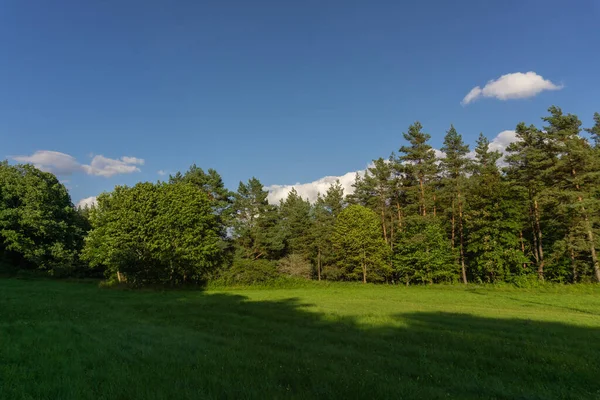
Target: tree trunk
<point x="434" y="207"/>
<point x="590" y="233"/>
<point x="399" y="216"/>
<point x="533" y="232"/>
<point x="392" y="236"/>
<point x="462" y="242"/>
<point x="536" y="214"/>
<point x="383" y="225"/>
<point x="119" y="276"/>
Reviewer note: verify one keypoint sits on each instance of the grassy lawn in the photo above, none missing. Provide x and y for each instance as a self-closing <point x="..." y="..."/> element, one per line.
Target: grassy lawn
<point x="61" y="340"/>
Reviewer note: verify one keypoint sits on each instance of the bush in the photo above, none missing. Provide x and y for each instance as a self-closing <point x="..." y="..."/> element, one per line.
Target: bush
<point x="295" y="265"/>
<point x="249" y="272"/>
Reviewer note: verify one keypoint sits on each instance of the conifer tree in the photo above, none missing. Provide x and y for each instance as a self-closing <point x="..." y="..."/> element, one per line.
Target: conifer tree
<point x="530" y="159"/>
<point x="419" y="161"/>
<point x="455" y="165"/>
<point x="494" y="245"/>
<point x="325" y="211"/>
<point x="574" y="174"/>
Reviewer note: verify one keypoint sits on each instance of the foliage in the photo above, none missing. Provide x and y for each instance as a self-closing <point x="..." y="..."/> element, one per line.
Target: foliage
<point x="255" y="224"/>
<point x="295" y="265"/>
<point x="412" y="218"/>
<point x="39" y="227"/>
<point x="423" y="253"/>
<point x="155" y="233"/>
<point x="360" y="249"/>
<point x="249" y="272"/>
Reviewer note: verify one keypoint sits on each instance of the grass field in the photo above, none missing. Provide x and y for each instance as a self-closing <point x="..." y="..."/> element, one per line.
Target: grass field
<point x="61" y="340"/>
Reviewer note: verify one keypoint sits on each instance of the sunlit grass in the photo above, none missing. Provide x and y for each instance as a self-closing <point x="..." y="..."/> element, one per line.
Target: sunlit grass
<point x="76" y="341"/>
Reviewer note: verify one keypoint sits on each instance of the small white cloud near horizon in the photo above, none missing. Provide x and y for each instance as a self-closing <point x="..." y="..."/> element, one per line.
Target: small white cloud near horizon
<point x="162" y="172"/>
<point x="64" y="164"/>
<point x="310" y="190"/>
<point x="517" y="85"/>
<point x="87" y="202"/>
<point x="502" y="140"/>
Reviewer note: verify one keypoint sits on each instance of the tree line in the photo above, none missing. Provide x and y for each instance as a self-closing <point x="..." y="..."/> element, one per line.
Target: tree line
<point x="413" y="218"/>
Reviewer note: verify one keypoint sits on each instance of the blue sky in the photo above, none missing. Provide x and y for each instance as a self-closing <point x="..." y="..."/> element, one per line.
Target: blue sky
<point x="285" y="91"/>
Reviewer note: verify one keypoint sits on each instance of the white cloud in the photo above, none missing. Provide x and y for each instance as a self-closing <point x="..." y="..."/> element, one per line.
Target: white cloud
<point x="51" y="161"/>
<point x="87" y="202"/>
<point x="64" y="164"/>
<point x="162" y="172"/>
<point x="311" y="189"/>
<point x="502" y="140"/>
<point x="133" y="160"/>
<point x="517" y="85"/>
<point x="439" y="153"/>
<point x="472" y="95"/>
<point x="107" y="167"/>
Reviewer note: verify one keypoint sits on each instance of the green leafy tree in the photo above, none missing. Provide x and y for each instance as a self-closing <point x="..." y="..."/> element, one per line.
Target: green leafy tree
<point x="423" y="253"/>
<point x="155" y="234"/>
<point x="375" y="190"/>
<point x="39" y="227"/>
<point x="359" y="244"/>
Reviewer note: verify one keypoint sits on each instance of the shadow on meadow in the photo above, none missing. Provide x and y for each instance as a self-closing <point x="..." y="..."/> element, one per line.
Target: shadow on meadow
<point x="200" y="345"/>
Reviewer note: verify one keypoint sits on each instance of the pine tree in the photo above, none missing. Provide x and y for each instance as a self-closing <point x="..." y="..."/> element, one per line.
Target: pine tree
<point x="255" y="222"/>
<point x="494" y="246"/>
<point x="419" y="161"/>
<point x="574" y="174"/>
<point x="296" y="223"/>
<point x="325" y="211"/>
<point x="595" y="131"/>
<point x="455" y="165"/>
<point x="530" y="159"/>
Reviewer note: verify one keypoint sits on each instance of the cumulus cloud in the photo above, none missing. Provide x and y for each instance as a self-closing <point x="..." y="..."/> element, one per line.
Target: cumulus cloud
<point x="64" y="164"/>
<point x="51" y="161"/>
<point x="133" y="160"/>
<point x="107" y="167"/>
<point x="311" y="189"/>
<point x="517" y="85"/>
<point x="502" y="140"/>
<point x="162" y="172"/>
<point x="87" y="202"/>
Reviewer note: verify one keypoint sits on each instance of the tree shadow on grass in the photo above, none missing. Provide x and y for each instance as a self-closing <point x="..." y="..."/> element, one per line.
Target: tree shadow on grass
<point x="164" y="345"/>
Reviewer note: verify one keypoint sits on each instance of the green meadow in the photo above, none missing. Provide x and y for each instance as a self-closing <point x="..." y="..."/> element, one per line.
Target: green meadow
<point x="73" y="340"/>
